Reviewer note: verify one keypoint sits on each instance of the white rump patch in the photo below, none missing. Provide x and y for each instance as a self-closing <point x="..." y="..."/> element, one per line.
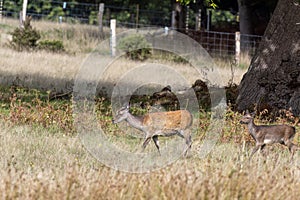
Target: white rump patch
<point x="268" y="141"/>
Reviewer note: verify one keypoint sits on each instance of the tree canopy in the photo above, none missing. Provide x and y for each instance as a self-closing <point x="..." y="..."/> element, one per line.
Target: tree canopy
<point x="154" y="12"/>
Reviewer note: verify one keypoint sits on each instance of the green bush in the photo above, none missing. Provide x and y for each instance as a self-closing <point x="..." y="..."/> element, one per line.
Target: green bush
<point x="93" y="18"/>
<point x="51" y="45"/>
<point x="25" y="38"/>
<point x="135" y="46"/>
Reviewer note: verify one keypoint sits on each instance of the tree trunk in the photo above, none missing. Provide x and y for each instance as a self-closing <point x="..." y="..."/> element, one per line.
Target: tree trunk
<point x="179" y="16"/>
<point x="273" y="78"/>
<point x="245" y="17"/>
<point x="245" y="22"/>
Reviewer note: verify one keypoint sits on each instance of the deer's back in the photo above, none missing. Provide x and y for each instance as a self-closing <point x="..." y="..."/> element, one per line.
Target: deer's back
<point x="172" y="120"/>
<point x="276" y="131"/>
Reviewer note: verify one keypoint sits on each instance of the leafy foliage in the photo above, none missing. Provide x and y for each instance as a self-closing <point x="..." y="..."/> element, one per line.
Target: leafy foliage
<point x="57" y="11"/>
<point x="51" y="45"/>
<point x="25" y="38"/>
<point x="135" y="46"/>
<point x="93" y="17"/>
<point x="210" y="3"/>
<point x="32" y="108"/>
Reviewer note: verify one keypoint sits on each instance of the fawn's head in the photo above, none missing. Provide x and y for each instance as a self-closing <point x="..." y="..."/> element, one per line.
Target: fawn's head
<point x="121" y="114"/>
<point x="247" y="118"/>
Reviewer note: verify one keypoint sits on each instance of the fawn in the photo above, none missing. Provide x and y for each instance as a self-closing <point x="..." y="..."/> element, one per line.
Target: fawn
<point x="269" y="134"/>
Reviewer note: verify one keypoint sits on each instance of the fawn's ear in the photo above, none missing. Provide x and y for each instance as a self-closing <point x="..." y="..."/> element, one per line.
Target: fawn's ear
<point x="252" y="114"/>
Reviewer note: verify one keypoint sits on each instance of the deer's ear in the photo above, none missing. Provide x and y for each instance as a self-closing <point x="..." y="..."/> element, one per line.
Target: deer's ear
<point x="247" y="112"/>
<point x="252" y="114"/>
<point x="126" y="106"/>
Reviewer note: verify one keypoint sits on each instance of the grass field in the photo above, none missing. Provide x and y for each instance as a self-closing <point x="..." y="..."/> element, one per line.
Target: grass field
<point x="42" y="157"/>
<point x="38" y="164"/>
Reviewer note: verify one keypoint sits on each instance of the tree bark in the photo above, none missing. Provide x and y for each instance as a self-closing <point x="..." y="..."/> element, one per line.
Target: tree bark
<point x="179" y="16"/>
<point x="273" y="78"/>
<point x="245" y="17"/>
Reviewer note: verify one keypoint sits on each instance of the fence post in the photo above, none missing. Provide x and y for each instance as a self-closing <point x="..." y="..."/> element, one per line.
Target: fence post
<point x="100" y="19"/>
<point x="208" y="19"/>
<point x="1" y="8"/>
<point x="173" y="23"/>
<point x="24" y="10"/>
<point x="64" y="10"/>
<point x="108" y="16"/>
<point x="22" y="14"/>
<point x="187" y="19"/>
<point x="237" y="47"/>
<point x="21" y="19"/>
<point x="198" y="20"/>
<point x="113" y="37"/>
<point x="64" y="6"/>
<point x="137" y="16"/>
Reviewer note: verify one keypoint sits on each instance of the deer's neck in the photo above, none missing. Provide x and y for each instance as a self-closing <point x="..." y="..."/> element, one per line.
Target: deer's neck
<point x="136" y="122"/>
<point x="252" y="128"/>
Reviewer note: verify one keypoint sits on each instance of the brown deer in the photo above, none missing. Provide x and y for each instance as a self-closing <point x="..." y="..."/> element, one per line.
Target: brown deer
<point x="159" y="124"/>
<point x="269" y="134"/>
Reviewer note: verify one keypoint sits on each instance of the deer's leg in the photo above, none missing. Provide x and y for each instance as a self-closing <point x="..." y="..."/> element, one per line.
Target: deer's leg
<point x="262" y="150"/>
<point x="146" y="142"/>
<point x="257" y="146"/>
<point x="292" y="147"/>
<point x="155" y="140"/>
<point x="180" y="133"/>
<point x="262" y="147"/>
<point x="188" y="141"/>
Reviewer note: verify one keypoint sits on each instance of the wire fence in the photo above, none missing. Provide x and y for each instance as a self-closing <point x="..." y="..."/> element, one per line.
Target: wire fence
<point x="222" y="44"/>
<point x="88" y="13"/>
<point x="218" y="44"/>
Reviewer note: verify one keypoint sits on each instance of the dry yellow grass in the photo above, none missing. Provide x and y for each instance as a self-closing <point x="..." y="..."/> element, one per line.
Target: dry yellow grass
<point x="48" y="71"/>
<point x="40" y="70"/>
<point x="56" y="71"/>
<point x="36" y="164"/>
<point x="40" y="164"/>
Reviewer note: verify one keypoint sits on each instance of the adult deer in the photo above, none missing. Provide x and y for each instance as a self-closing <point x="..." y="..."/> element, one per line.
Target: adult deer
<point x="159" y="124"/>
<point x="269" y="134"/>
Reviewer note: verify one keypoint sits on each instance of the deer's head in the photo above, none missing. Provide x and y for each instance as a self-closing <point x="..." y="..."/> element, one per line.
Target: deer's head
<point x="121" y="114"/>
<point x="247" y="118"/>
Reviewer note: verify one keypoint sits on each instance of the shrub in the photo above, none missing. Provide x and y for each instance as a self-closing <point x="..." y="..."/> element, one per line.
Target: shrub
<point x="51" y="45"/>
<point x="25" y="38"/>
<point x="93" y="18"/>
<point x="135" y="46"/>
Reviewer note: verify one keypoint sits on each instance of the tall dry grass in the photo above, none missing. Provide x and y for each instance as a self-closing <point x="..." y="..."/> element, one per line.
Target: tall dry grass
<point x="36" y="164"/>
<point x="77" y="38"/>
<point x="56" y="72"/>
<point x="41" y="69"/>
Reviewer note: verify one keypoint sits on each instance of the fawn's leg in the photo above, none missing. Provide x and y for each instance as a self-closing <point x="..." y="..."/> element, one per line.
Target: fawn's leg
<point x="257" y="146"/>
<point x="261" y="150"/>
<point x="292" y="147"/>
<point x="155" y="140"/>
